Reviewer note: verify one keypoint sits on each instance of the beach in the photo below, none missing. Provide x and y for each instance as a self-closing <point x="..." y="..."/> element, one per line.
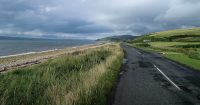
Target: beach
<point x="11" y="62"/>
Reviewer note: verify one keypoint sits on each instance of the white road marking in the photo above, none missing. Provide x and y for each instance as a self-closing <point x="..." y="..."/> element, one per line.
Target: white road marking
<point x="138" y="52"/>
<point x="167" y="78"/>
<point x="142" y="55"/>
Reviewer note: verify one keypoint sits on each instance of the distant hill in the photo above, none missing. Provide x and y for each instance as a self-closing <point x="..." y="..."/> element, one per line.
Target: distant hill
<point x="25" y="38"/>
<point x="117" y="38"/>
<point x="177" y="35"/>
<point x="12" y="38"/>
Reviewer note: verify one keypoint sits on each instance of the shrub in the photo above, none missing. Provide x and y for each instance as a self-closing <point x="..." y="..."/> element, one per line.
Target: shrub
<point x="194" y="54"/>
<point x="143" y="45"/>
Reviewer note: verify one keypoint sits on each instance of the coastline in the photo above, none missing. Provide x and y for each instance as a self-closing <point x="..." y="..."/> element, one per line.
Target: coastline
<point x="33" y="52"/>
<point x="10" y="62"/>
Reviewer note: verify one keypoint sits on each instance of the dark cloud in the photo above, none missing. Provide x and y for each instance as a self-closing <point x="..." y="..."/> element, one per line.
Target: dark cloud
<point x="93" y="19"/>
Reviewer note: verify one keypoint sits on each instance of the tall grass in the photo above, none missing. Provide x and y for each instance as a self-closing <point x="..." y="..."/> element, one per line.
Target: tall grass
<point x="67" y="80"/>
<point x="97" y="93"/>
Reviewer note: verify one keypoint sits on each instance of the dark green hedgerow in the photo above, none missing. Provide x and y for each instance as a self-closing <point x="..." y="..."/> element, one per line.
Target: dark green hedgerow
<point x="143" y="45"/>
<point x="188" y="46"/>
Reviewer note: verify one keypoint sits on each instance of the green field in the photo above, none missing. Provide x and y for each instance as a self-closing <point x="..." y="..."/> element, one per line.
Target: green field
<point x="181" y="45"/>
<point x="177" y="32"/>
<point x="167" y="44"/>
<point x="84" y="78"/>
<point x="184" y="59"/>
<point x="178" y="35"/>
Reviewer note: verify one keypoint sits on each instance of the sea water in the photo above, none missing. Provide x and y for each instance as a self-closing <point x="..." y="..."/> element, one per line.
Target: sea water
<point x="19" y="46"/>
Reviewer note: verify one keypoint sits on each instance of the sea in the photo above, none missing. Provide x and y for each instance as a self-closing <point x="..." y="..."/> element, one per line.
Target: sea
<point x="9" y="47"/>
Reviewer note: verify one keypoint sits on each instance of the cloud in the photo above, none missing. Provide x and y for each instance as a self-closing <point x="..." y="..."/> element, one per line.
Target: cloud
<point x="95" y="18"/>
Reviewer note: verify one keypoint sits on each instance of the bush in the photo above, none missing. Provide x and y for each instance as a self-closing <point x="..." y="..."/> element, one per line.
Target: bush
<point x="191" y="46"/>
<point x="194" y="54"/>
<point x="143" y="45"/>
<point x="176" y="37"/>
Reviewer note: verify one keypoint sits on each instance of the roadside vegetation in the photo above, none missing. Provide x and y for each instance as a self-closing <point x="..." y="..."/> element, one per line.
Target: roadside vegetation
<point x="84" y="78"/>
<point x="182" y="45"/>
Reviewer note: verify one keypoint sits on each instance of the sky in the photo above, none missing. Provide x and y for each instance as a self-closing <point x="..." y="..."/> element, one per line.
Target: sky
<point x="92" y="19"/>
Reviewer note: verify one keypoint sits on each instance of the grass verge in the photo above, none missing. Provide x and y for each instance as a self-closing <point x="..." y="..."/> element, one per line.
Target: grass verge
<point x="184" y="59"/>
<point x="83" y="79"/>
<point x="178" y="56"/>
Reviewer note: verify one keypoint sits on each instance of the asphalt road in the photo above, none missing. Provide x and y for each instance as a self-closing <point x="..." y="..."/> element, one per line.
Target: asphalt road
<point x="149" y="79"/>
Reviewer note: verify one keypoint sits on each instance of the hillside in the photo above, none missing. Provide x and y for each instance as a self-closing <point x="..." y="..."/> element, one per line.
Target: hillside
<point x="118" y="38"/>
<point x="14" y="38"/>
<point x="8" y="38"/>
<point x="180" y="45"/>
<point x="178" y="35"/>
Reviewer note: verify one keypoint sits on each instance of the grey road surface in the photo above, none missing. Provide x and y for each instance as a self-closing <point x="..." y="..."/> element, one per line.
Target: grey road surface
<point x="149" y="79"/>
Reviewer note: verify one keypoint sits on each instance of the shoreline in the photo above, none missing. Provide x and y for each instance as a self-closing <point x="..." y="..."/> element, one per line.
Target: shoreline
<point x="26" y="53"/>
<point x="30" y="58"/>
<point x="42" y="51"/>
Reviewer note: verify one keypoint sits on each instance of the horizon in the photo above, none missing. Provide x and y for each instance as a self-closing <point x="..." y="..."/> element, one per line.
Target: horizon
<point x="58" y="38"/>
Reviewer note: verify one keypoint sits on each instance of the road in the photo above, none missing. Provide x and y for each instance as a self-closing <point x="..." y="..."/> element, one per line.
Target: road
<point x="149" y="79"/>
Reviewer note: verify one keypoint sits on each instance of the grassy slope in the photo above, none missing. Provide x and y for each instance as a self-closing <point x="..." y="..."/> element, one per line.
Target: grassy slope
<point x="169" y="49"/>
<point x="82" y="79"/>
<point x="163" y="44"/>
<point x="193" y="31"/>
<point x="180" y="35"/>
